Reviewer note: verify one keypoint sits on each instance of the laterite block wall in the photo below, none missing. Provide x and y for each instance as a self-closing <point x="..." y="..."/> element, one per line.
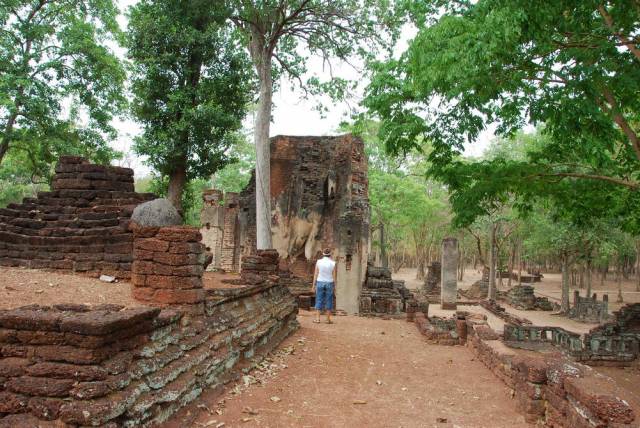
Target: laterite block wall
<point x="81" y="225"/>
<point x="72" y="365"/>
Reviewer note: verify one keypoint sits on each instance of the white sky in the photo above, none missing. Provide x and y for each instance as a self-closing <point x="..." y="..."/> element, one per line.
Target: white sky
<point x="291" y="114"/>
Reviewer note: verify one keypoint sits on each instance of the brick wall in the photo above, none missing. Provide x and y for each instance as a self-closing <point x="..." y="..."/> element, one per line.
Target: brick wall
<point x="80" y="225"/>
<point x="107" y="366"/>
<point x="168" y="266"/>
<point x="551" y="389"/>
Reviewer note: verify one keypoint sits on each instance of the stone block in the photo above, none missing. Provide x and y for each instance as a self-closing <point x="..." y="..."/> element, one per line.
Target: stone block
<point x="40" y="386"/>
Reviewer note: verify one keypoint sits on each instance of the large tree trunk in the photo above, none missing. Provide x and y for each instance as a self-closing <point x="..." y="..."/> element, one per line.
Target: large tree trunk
<point x="262" y="60"/>
<point x="491" y="295"/>
<point x="177" y="181"/>
<point x="564" y="305"/>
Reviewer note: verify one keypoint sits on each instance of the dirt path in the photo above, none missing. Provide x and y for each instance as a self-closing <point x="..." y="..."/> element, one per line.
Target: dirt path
<point x="360" y="372"/>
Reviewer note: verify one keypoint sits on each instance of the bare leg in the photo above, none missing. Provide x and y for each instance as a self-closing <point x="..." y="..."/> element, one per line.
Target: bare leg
<point x="329" y="317"/>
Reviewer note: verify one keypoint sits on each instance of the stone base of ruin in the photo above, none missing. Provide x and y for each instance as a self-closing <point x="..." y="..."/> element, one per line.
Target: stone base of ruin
<point x="380" y="295"/>
<point x="551" y="389"/>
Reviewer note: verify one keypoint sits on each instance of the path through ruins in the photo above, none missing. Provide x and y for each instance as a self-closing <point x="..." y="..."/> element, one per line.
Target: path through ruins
<point x="361" y="372"/>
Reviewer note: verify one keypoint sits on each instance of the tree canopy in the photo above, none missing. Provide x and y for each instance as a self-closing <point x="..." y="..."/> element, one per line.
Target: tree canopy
<point x="60" y="85"/>
<point x="569" y="67"/>
<point x="192" y="87"/>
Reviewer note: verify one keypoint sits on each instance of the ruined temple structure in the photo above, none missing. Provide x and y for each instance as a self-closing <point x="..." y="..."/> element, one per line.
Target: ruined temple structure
<point x="382" y="295"/>
<point x="589" y="309"/>
<point x="523" y="297"/>
<point x="431" y="286"/>
<point x="81" y="225"/>
<point x="319" y="194"/>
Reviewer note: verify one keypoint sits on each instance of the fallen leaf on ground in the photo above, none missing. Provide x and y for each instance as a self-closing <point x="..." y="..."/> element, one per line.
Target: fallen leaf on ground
<point x="39" y="291"/>
<point x="249" y="411"/>
<point x="275" y="399"/>
<point x="244" y="420"/>
<point x="359" y="402"/>
<point x="204" y="407"/>
<point x="441" y="420"/>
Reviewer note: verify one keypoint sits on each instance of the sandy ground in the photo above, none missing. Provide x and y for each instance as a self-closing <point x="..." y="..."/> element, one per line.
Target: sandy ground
<point x="21" y="287"/>
<point x="360" y="372"/>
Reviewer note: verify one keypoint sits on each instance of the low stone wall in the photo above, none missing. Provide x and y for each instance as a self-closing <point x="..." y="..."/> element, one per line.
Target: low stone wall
<point x="442" y="331"/>
<point x="168" y="266"/>
<point x="81" y="225"/>
<point x="551" y="389"/>
<point x="72" y="365"/>
<point x="614" y="343"/>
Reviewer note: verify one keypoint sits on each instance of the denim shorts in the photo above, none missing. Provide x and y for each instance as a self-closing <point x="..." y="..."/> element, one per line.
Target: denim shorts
<point x="324" y="295"/>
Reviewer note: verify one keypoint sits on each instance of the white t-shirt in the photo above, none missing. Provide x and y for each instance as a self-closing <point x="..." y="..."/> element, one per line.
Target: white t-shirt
<point x="325" y="269"/>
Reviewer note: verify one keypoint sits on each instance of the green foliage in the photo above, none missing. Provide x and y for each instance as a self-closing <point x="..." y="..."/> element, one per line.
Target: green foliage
<point x="562" y="64"/>
<point x="191" y="84"/>
<point x="54" y="62"/>
<point x="235" y="176"/>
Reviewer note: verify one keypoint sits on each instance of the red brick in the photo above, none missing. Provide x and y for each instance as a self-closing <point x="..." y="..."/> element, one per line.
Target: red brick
<point x="179" y="234"/>
<point x="12" y="403"/>
<point x="40" y="337"/>
<point x="186" y="247"/>
<point x="88" y="390"/>
<point x="12" y="367"/>
<point x="70" y="354"/>
<point x="178" y="259"/>
<point x="138" y="280"/>
<point x="40" y="386"/>
<point x="45" y="408"/>
<point x="143" y="294"/>
<point x="170" y="297"/>
<point x="142" y="231"/>
<point x="151" y="244"/>
<point x="67" y="371"/>
<point x="173" y="282"/>
<point x="139" y="254"/>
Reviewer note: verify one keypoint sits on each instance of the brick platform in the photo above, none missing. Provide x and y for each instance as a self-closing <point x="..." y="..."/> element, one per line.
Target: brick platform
<point x="168" y="266"/>
<point x="81" y="225"/>
<point x="72" y="365"/>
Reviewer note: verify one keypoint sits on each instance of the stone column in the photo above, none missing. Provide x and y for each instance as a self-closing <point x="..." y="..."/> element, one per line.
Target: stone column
<point x="212" y="220"/>
<point x="168" y="266"/>
<point x="449" y="273"/>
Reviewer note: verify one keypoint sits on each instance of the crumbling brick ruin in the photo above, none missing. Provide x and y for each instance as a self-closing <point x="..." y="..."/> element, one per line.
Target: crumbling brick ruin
<point x="319" y="192"/>
<point x="589" y="309"/>
<point x="616" y="342"/>
<point x="382" y="295"/>
<point x="523" y="297"/>
<point x="432" y="281"/>
<point x="107" y="365"/>
<point x="81" y="225"/>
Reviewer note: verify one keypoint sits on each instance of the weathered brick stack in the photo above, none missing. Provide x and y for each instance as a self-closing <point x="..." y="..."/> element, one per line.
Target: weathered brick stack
<point x="523" y="297"/>
<point x="260" y="268"/>
<point x="72" y="365"/>
<point x="168" y="266"/>
<point x="80" y="225"/>
<point x="378" y="295"/>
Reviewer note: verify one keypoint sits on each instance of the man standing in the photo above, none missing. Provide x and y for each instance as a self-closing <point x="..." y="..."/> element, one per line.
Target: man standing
<point x="324" y="281"/>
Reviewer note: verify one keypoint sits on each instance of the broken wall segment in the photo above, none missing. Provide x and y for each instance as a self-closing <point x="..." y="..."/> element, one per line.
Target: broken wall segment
<point x="449" y="274"/>
<point x="380" y="295"/>
<point x="319" y="192"/>
<point x="589" y="309"/>
<point x="168" y="266"/>
<point x="614" y="343"/>
<point x="73" y="365"/>
<point x="551" y="389"/>
<point x="81" y="225"/>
